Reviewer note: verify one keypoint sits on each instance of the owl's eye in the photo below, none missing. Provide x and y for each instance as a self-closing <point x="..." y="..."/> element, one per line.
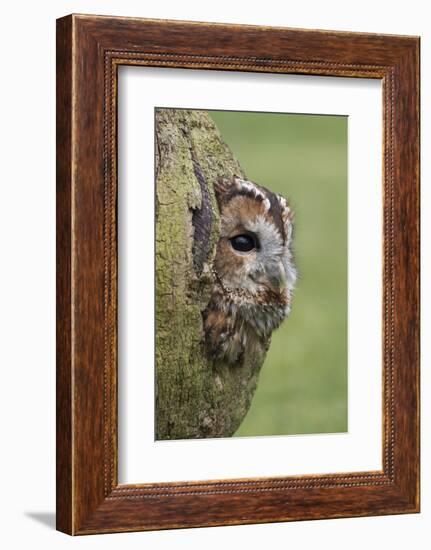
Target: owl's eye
<point x="243" y="243"/>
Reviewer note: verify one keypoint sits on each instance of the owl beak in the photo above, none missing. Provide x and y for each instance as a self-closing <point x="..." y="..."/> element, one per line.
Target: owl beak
<point x="276" y="276"/>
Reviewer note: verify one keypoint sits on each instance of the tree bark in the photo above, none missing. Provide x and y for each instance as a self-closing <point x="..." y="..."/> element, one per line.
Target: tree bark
<point x="195" y="397"/>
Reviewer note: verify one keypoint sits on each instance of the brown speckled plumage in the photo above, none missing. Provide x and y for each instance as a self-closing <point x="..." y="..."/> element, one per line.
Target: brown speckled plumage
<point x="253" y="288"/>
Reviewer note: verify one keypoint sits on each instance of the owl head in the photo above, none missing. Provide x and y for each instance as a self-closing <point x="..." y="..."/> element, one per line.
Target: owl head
<point x="254" y="260"/>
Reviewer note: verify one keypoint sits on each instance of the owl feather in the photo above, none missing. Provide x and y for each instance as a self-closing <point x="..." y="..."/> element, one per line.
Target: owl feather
<point x="254" y="270"/>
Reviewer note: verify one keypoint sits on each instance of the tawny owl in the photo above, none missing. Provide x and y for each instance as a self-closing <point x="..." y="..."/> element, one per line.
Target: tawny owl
<point x="254" y="270"/>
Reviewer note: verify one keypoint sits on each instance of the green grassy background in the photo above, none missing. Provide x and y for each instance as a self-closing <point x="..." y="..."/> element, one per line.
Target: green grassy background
<point x="303" y="384"/>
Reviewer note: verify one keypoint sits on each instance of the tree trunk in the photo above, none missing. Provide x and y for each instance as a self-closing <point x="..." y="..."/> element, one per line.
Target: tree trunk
<point x="195" y="397"/>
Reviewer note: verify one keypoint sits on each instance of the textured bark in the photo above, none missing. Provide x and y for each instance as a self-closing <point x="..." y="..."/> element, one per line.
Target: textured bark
<point x="195" y="397"/>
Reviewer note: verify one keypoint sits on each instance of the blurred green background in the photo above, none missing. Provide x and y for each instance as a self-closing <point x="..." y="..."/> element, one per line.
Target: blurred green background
<point x="303" y="384"/>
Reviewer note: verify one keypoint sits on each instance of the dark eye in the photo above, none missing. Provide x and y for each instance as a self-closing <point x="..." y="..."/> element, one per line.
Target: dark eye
<point x="243" y="243"/>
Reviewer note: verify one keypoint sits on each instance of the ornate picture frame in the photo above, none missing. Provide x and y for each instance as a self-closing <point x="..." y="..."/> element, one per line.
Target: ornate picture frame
<point x="89" y="51"/>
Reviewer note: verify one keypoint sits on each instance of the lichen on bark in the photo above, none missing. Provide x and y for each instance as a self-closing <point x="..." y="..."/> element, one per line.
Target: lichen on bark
<point x="195" y="397"/>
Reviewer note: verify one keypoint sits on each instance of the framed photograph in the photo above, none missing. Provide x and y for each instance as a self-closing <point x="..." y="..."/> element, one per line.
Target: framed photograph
<point x="237" y="274"/>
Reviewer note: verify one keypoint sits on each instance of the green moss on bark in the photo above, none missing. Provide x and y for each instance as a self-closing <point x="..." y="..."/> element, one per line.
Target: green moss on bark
<point x="194" y="397"/>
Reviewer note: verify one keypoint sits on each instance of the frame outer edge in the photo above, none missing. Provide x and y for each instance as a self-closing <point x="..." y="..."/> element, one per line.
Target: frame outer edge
<point x="407" y="278"/>
<point x="64" y="367"/>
